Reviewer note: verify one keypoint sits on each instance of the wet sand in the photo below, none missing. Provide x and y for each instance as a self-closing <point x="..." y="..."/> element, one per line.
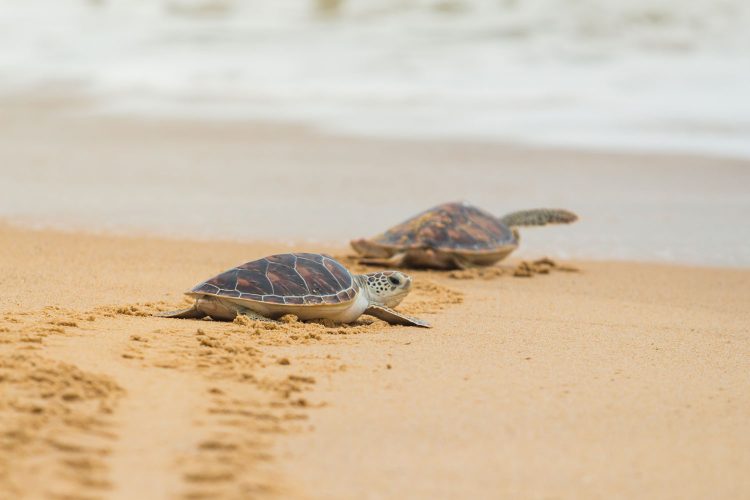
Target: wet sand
<point x="620" y="380"/>
<point x="62" y="163"/>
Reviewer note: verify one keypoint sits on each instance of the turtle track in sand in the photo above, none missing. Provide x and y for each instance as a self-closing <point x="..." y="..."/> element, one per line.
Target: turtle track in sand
<point x="194" y="406"/>
<point x="57" y="429"/>
<point x="245" y="390"/>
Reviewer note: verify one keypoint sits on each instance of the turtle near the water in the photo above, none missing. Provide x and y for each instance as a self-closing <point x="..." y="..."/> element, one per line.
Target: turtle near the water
<point x="308" y="285"/>
<point x="454" y="236"/>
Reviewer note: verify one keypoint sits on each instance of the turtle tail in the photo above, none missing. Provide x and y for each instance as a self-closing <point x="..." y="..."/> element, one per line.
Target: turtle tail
<point x="539" y="217"/>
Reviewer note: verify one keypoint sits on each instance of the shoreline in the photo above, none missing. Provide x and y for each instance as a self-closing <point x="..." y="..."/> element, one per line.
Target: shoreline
<point x="621" y="378"/>
<point x="275" y="182"/>
<point x="333" y="247"/>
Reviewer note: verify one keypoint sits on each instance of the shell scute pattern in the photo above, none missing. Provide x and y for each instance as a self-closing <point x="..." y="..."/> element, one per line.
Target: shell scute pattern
<point x="295" y="279"/>
<point x="250" y="296"/>
<point x="273" y="299"/>
<point x="207" y="288"/>
<point x="286" y="281"/>
<point x="452" y="226"/>
<point x="341" y="275"/>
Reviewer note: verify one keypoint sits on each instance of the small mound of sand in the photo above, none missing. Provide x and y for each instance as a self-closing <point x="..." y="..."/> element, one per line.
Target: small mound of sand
<point x="139" y="309"/>
<point x="524" y="269"/>
<point x="289" y="329"/>
<point x="478" y="273"/>
<point x="289" y="318"/>
<point x="527" y="269"/>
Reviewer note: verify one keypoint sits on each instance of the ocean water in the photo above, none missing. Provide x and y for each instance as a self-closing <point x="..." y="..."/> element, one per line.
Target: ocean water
<point x="632" y="75"/>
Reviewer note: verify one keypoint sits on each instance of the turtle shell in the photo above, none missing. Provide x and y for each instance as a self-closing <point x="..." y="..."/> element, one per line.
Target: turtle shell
<point x="450" y="226"/>
<point x="290" y="278"/>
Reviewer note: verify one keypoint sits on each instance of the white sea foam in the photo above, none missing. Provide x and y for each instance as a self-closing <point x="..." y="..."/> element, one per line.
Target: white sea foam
<point x="638" y="75"/>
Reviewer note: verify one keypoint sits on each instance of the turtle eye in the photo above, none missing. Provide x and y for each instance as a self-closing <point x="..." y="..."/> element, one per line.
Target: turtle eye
<point x="394" y="280"/>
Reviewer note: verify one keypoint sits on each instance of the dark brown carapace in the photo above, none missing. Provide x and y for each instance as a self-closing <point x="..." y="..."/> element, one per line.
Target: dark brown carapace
<point x="293" y="278"/>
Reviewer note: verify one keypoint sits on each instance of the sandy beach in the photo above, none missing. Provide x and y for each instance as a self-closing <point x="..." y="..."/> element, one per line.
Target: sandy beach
<point x="146" y="147"/>
<point x="620" y="380"/>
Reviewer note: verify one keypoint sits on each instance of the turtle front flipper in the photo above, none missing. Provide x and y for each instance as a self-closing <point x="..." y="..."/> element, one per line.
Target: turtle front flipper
<point x="395" y="317"/>
<point x="539" y="217"/>
<point x="190" y="313"/>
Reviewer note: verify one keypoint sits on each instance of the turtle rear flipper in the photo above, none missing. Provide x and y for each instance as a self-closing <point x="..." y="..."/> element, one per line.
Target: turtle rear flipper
<point x="395" y="317"/>
<point x="539" y="217"/>
<point x="396" y="260"/>
<point x="367" y="248"/>
<point x="216" y="309"/>
<point x="190" y="313"/>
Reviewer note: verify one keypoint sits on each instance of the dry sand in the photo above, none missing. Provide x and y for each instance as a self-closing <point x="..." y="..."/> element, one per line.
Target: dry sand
<point x="622" y="380"/>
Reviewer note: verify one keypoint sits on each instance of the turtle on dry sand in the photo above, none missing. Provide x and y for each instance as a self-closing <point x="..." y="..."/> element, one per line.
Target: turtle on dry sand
<point x="454" y="236"/>
<point x="308" y="285"/>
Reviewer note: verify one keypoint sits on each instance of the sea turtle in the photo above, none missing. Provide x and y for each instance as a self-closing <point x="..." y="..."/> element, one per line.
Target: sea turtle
<point x="454" y="235"/>
<point x="308" y="285"/>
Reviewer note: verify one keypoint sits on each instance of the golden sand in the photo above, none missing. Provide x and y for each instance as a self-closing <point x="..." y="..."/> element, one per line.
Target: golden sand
<point x="621" y="380"/>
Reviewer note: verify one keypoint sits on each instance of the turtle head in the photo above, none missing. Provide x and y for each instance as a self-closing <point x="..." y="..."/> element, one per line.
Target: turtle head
<point x="387" y="288"/>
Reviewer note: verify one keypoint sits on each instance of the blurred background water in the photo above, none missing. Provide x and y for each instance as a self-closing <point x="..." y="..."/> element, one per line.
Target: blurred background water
<point x="663" y="75"/>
